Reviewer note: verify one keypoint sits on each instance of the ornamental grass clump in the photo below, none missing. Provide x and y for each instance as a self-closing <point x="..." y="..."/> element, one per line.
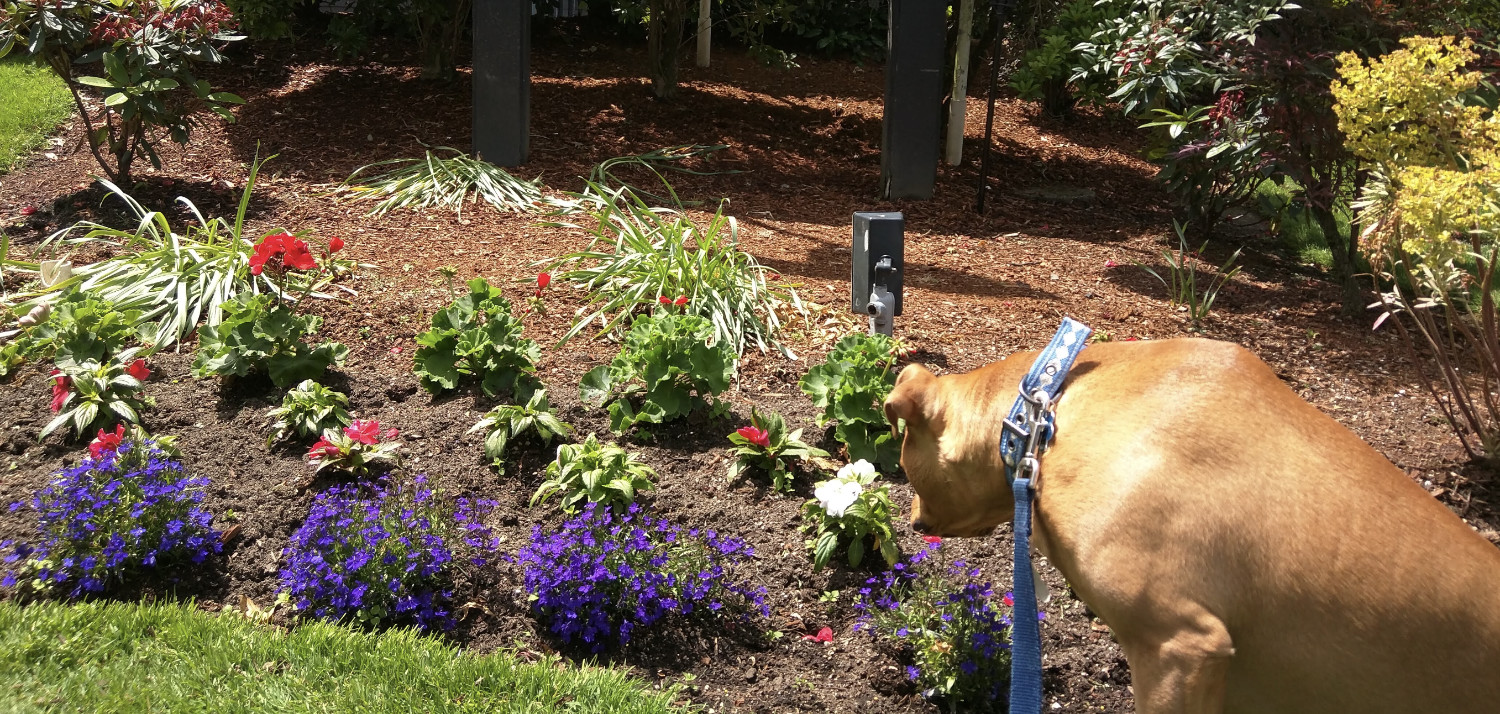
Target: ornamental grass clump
<point x="377" y="555"/>
<point x="129" y="507"/>
<point x="607" y="575"/>
<point x="945" y="618"/>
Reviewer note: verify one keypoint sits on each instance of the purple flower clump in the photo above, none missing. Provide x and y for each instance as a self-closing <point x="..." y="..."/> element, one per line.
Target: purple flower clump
<point x="606" y="575"/>
<point x="378" y="554"/>
<point x="947" y="618"/>
<point x="133" y="507"/>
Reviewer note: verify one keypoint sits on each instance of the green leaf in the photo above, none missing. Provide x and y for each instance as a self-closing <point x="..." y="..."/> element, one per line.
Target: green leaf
<point x="823" y="552"/>
<point x="95" y="81"/>
<point x="116" y="99"/>
<point x="856" y="552"/>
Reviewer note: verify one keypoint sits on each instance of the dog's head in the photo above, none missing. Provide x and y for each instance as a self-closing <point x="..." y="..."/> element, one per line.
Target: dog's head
<point x="947" y="452"/>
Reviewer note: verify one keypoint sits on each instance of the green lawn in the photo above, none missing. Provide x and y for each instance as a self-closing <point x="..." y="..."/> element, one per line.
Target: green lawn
<point x="33" y="101"/>
<point x="116" y="657"/>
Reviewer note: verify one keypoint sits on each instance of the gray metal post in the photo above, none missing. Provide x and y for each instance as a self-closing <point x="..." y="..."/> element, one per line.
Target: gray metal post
<point x="912" y="126"/>
<point x="502" y="81"/>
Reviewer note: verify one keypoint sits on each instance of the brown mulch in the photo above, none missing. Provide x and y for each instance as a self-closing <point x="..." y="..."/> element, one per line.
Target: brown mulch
<point x="805" y="144"/>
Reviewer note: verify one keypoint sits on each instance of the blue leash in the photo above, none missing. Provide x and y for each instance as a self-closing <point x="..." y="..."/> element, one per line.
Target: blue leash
<point x="1025" y="434"/>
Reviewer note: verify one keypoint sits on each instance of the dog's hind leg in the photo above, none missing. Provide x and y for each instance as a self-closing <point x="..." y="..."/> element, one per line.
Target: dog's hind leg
<point x="1185" y="673"/>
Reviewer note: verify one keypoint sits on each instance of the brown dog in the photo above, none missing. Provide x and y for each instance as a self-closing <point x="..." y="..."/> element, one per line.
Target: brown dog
<point x="1250" y="553"/>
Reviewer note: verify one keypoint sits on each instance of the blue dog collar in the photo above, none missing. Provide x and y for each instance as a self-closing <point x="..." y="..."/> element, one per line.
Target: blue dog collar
<point x="1039" y="390"/>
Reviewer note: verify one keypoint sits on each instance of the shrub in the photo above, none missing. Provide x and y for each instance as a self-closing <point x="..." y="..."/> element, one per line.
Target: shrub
<point x="649" y="258"/>
<point x="1419" y="120"/>
<point x="593" y="472"/>
<point x="477" y="336"/>
<point x="607" y="575"/>
<point x="378" y="555"/>
<point x="355" y="448"/>
<point x="763" y="445"/>
<point x="177" y="279"/>
<point x="130" y="506"/>
<point x="261" y="335"/>
<point x="850" y="388"/>
<point x="945" y="617"/>
<point x="844" y="514"/>
<point x="309" y="408"/>
<point x="508" y="422"/>
<point x="147" y="51"/>
<point x="89" y="392"/>
<point x="670" y="362"/>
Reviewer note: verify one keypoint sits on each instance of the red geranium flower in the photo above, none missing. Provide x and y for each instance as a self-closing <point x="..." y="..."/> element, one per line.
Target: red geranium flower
<point x="933" y="539"/>
<point x="106" y="443"/>
<point x="365" y="431"/>
<point x="756" y="436"/>
<point x="335" y="244"/>
<point x="1009" y="601"/>
<point x="269" y="248"/>
<point x="62" y="385"/>
<point x="138" y="370"/>
<point x="680" y="301"/>
<point x="824" y="635"/>
<point x="29" y="210"/>
<point x="297" y="256"/>
<point x="543" y="280"/>
<point x="324" y="449"/>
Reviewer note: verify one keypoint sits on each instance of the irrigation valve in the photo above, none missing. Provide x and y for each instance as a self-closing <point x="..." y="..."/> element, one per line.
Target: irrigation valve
<point x="875" y="283"/>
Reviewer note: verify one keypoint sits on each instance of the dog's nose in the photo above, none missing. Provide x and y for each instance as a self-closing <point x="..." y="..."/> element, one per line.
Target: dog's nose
<point x="920" y="527"/>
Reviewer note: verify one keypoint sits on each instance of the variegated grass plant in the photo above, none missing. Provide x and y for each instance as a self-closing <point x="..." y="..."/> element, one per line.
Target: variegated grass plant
<point x="443" y="183"/>
<point x="640" y="255"/>
<point x="174" y="279"/>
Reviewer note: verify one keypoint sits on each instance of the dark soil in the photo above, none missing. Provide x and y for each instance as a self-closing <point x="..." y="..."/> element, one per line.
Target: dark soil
<point x="806" y="143"/>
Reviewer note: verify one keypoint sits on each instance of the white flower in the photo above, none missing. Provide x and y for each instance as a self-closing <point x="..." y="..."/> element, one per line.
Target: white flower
<point x="861" y="471"/>
<point x="837" y="495"/>
<point x="55" y="271"/>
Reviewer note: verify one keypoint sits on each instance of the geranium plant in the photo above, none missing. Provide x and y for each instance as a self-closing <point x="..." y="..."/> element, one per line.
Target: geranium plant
<point x="607" y="575"/>
<point x="145" y="51"/>
<point x="259" y="334"/>
<point x="77" y="328"/>
<point x="669" y="365"/>
<point x="89" y="392"/>
<point x="946" y="618"/>
<point x="507" y="422"/>
<point x="592" y="472"/>
<point x="307" y="409"/>
<point x="477" y="336"/>
<point x="763" y="446"/>
<point x="850" y="388"/>
<point x="130" y="506"/>
<point x="846" y="513"/>
<point x="356" y="448"/>
<point x="377" y="555"/>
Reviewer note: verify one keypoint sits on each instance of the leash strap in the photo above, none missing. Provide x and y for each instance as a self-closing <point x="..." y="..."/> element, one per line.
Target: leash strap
<point x="1025" y="434"/>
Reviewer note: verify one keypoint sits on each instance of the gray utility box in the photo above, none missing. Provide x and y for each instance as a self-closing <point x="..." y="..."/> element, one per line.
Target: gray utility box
<point x="876" y="236"/>
<point x="912" y="125"/>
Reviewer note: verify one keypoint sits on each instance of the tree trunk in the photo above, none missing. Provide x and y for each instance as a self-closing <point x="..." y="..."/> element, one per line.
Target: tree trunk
<point x="663" y="38"/>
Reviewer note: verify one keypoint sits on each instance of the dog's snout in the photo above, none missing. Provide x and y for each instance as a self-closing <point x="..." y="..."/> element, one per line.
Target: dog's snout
<point x="920" y="527"/>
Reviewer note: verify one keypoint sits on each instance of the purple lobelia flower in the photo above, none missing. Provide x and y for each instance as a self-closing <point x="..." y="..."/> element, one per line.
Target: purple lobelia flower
<point x="605" y="576"/>
<point x="132" y="508"/>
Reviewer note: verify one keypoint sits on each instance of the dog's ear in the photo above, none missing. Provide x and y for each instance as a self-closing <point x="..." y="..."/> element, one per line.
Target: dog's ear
<point x="908" y="400"/>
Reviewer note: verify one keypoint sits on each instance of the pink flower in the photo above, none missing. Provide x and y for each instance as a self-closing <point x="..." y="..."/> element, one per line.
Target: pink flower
<point x="759" y="437"/>
<point x="365" y="431"/>
<point x="62" y="386"/>
<point x="1110" y="264"/>
<point x="324" y="449"/>
<point x="106" y="443"/>
<point x="824" y="635"/>
<point x="543" y="280"/>
<point x="138" y="370"/>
